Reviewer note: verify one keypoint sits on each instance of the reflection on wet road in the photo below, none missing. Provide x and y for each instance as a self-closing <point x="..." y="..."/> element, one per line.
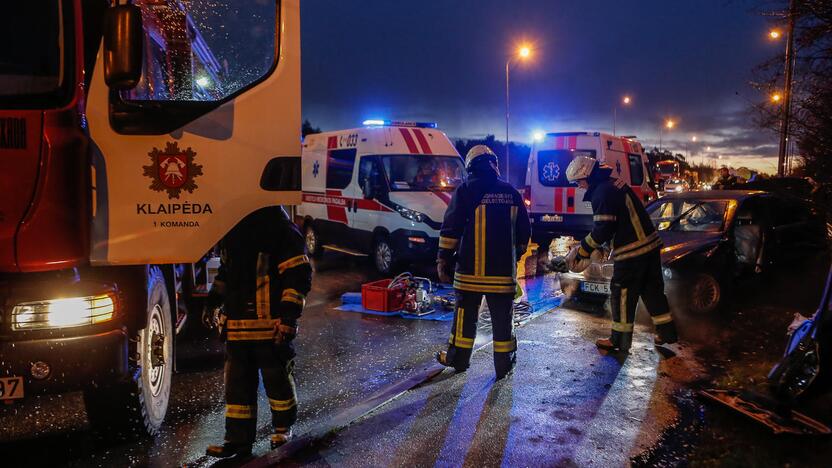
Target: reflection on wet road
<point x="342" y="358"/>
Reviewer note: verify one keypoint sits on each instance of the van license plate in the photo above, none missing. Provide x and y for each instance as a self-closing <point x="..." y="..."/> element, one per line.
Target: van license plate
<point x="595" y="288"/>
<point x="11" y="388"/>
<point x="551" y="218"/>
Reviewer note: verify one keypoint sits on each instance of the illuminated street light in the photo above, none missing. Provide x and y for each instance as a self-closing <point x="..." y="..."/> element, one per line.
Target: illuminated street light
<point x="524" y="52"/>
<point x="625" y="101"/>
<point x="670" y="124"/>
<point x="774" y="34"/>
<point x="538" y="135"/>
<point x="693" y="139"/>
<point x="776" y="97"/>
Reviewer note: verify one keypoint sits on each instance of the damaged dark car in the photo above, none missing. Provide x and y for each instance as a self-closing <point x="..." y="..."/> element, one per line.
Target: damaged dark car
<point x="714" y="238"/>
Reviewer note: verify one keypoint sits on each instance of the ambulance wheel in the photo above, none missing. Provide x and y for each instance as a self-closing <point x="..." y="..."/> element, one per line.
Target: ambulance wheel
<point x="137" y="406"/>
<point x="383" y="258"/>
<point x="313" y="242"/>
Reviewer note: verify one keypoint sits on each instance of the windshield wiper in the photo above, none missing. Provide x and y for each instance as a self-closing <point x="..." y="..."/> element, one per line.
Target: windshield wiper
<point x="679" y="218"/>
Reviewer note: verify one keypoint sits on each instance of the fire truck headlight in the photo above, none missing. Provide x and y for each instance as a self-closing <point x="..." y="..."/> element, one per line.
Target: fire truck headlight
<point x="63" y="313"/>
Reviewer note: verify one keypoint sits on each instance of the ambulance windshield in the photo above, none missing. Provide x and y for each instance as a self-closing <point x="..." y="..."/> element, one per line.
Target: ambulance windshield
<point x="418" y="173"/>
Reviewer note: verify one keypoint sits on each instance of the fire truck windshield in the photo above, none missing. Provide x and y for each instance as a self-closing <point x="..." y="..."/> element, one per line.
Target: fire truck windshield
<point x="417" y="173"/>
<point x="32" y="62"/>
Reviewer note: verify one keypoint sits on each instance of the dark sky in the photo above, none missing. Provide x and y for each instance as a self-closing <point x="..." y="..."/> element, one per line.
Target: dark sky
<point x="444" y="61"/>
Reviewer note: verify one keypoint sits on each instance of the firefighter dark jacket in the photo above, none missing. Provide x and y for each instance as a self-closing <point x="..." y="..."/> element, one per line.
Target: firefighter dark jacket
<point x="265" y="273"/>
<point x="486" y="230"/>
<point x="620" y="219"/>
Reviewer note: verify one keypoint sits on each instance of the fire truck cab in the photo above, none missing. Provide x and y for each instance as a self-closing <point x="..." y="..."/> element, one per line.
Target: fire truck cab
<point x="556" y="207"/>
<point x="133" y="137"/>
<point x="381" y="190"/>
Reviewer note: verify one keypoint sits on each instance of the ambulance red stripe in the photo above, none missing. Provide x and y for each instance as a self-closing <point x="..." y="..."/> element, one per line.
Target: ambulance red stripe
<point x="558" y="200"/>
<point x="332" y="142"/>
<point x="570" y="200"/>
<point x="411" y="145"/>
<point x="573" y="142"/>
<point x="445" y="197"/>
<point x="423" y="142"/>
<point x="336" y="213"/>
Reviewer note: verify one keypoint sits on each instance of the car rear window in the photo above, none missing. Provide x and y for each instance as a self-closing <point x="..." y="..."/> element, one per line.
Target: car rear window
<point x="551" y="165"/>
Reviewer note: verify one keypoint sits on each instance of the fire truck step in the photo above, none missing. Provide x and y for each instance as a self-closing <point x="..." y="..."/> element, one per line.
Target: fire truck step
<point x="345" y="250"/>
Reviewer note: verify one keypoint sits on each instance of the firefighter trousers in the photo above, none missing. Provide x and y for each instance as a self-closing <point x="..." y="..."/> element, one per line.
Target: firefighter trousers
<point x="244" y="361"/>
<point x="639" y="277"/>
<point x="464" y="330"/>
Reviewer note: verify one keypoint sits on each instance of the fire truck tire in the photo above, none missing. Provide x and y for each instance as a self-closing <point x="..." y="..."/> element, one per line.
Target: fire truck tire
<point x="312" y="240"/>
<point x="383" y="256"/>
<point x="137" y="406"/>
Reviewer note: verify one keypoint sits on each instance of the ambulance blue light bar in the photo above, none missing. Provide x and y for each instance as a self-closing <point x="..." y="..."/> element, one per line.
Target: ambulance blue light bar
<point x="397" y="123"/>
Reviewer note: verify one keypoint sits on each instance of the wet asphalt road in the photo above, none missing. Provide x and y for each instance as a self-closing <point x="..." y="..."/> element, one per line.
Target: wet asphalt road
<point x="342" y="359"/>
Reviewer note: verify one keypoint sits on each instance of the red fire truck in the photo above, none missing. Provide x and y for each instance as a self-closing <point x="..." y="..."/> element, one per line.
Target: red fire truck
<point x="667" y="169"/>
<point x="132" y="138"/>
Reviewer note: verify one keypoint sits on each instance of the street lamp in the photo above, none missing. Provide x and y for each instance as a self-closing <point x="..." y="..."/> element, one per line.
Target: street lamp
<point x="776" y="98"/>
<point x="538" y="136"/>
<point x="625" y="101"/>
<point x="669" y="124"/>
<point x="524" y="52"/>
<point x="774" y="34"/>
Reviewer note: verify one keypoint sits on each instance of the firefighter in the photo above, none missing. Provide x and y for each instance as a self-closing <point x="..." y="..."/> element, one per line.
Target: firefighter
<point x="262" y="285"/>
<point x="484" y="233"/>
<point x="620" y="219"/>
<point x="726" y="180"/>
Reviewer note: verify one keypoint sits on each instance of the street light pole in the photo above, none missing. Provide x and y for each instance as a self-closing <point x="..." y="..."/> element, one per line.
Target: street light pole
<point x="508" y="160"/>
<point x="787" y="92"/>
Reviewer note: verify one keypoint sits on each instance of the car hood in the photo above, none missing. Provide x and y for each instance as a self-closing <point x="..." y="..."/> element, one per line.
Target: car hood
<point x="679" y="244"/>
<point x="430" y="203"/>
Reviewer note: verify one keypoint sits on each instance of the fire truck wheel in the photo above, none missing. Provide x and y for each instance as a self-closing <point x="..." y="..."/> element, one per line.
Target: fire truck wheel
<point x="137" y="407"/>
<point x="383" y="257"/>
<point x="313" y="242"/>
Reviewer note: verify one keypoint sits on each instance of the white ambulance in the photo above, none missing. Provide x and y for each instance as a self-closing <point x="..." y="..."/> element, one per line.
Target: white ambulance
<point x="381" y="190"/>
<point x="556" y="207"/>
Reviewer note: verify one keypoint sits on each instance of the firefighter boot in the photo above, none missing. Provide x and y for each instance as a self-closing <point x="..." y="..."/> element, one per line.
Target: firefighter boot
<point x="228" y="450"/>
<point x="442" y="358"/>
<point x="504" y="364"/>
<point x="615" y="344"/>
<point x="665" y="334"/>
<point x="280" y="437"/>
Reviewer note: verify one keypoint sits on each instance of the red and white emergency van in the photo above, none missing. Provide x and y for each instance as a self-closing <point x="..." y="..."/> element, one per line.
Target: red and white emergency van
<point x="381" y="190"/>
<point x="556" y="207"/>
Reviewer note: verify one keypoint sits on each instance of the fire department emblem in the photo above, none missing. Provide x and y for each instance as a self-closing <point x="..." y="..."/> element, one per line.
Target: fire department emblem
<point x="551" y="172"/>
<point x="173" y="170"/>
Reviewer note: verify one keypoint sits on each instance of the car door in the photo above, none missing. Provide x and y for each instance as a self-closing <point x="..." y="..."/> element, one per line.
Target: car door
<point x="792" y="228"/>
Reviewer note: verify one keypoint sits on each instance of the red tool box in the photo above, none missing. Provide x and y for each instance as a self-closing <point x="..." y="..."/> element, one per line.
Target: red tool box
<point x="379" y="297"/>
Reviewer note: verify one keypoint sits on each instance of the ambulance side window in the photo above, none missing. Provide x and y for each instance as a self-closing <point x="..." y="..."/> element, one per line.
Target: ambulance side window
<point x="339" y="166"/>
<point x="636" y="170"/>
<point x="371" y="178"/>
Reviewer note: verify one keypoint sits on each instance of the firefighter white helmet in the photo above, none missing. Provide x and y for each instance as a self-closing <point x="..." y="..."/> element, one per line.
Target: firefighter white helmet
<point x="477" y="152"/>
<point x="580" y="168"/>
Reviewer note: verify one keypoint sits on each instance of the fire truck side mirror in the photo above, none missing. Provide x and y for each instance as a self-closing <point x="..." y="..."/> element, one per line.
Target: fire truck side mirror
<point x="123" y="39"/>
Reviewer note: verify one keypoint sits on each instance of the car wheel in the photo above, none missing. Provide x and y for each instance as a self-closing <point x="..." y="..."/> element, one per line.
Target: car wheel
<point x="312" y="241"/>
<point x="383" y="258"/>
<point x="705" y="294"/>
<point x="137" y="407"/>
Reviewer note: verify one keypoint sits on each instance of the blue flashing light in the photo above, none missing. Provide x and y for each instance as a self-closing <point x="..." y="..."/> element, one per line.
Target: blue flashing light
<point x="397" y="123"/>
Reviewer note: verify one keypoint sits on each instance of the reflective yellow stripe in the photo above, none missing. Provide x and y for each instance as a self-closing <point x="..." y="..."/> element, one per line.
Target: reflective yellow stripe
<point x="250" y="335"/>
<point x="582" y="252"/>
<point x="448" y="242"/>
<point x="292" y="295"/>
<point x="601" y="218"/>
<point x="263" y="296"/>
<point x="239" y="411"/>
<point x="479" y="243"/>
<point x="504" y="346"/>
<point x="662" y="319"/>
<point x="510" y="288"/>
<point x="458" y="340"/>
<point x="243" y="324"/>
<point x="293" y="262"/>
<point x="634" y="218"/>
<point x="635" y="245"/>
<point x="635" y="253"/>
<point x="589" y="240"/>
<point x="484" y="279"/>
<point x="622" y="314"/>
<point x="622" y="327"/>
<point x="282" y="405"/>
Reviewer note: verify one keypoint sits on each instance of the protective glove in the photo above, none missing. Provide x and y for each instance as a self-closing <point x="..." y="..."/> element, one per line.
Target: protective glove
<point x="285" y="330"/>
<point x="442" y="271"/>
<point x="576" y="262"/>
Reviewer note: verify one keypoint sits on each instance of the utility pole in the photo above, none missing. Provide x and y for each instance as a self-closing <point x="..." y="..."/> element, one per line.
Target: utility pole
<point x="787" y="92"/>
